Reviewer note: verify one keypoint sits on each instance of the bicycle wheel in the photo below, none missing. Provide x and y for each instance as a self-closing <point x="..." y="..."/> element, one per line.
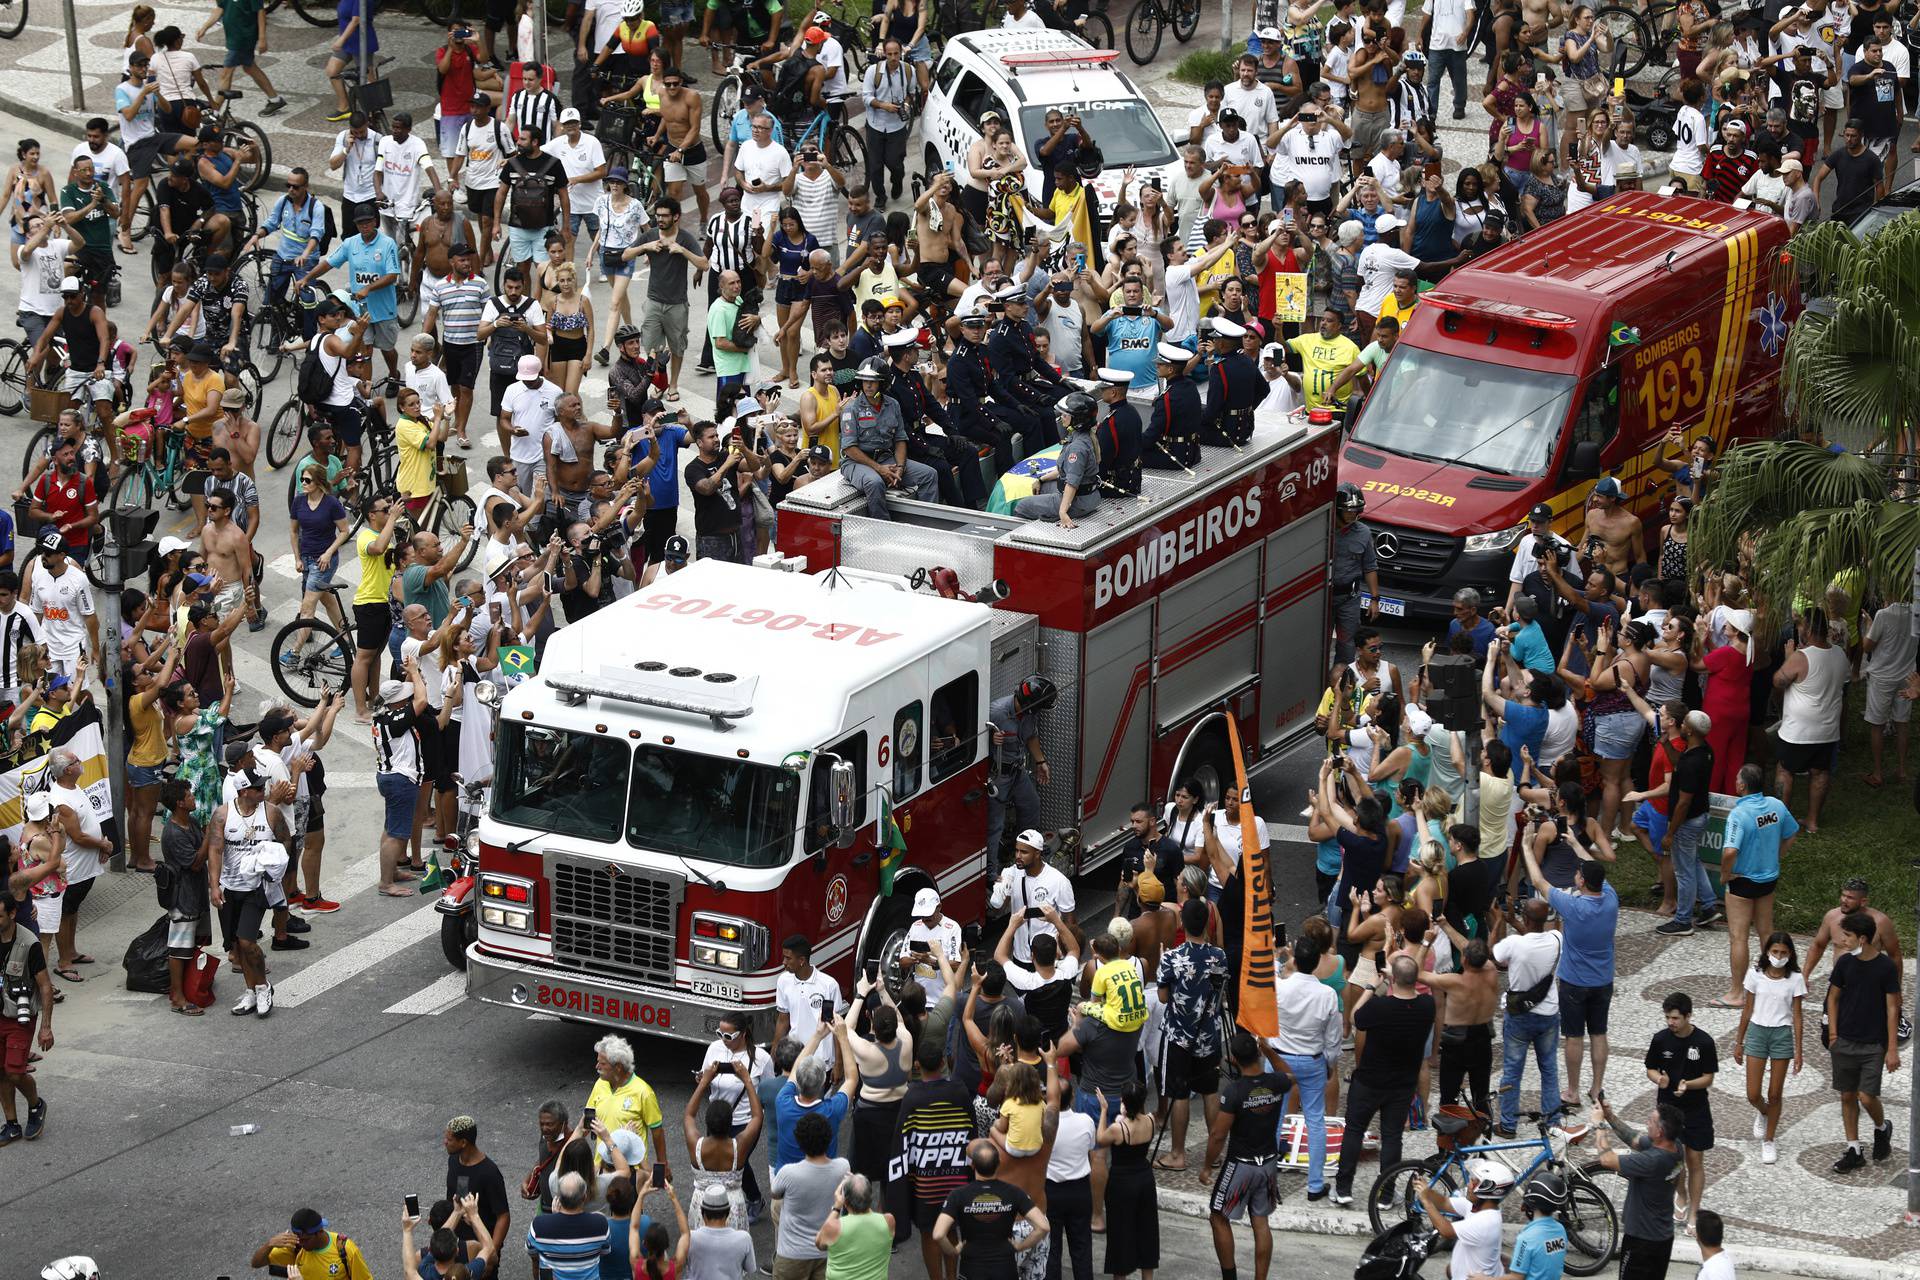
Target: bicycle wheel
<point x="1186" y="19"/>
<point x="146" y="219"/>
<point x="848" y="149"/>
<point x="13" y="18"/>
<point x="311" y="658"/>
<point x="1144" y="31"/>
<point x="36" y="445"/>
<point x="133" y="491"/>
<point x="320" y="15"/>
<point x="726" y="100"/>
<point x="283" y="435"/>
<point x="1097" y="30"/>
<point x="1593" y="1227"/>
<point x="454" y="514"/>
<point x="13" y="378"/>
<point x="409" y="301"/>
<point x="439" y="12"/>
<point x="1630" y="42"/>
<point x="1391" y="1198"/>
<point x="252" y="172"/>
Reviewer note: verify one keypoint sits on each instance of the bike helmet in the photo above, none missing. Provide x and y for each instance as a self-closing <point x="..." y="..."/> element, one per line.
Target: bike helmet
<point x="1077" y="410"/>
<point x="1546" y="1193"/>
<point x="1036" y="693"/>
<point x="874" y="369"/>
<point x="1413" y="58"/>
<point x="625" y="333"/>
<point x="1349" y="498"/>
<point x="1488" y="1179"/>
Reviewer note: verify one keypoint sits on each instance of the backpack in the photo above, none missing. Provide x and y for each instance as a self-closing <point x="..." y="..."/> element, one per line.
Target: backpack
<point x="315" y="384"/>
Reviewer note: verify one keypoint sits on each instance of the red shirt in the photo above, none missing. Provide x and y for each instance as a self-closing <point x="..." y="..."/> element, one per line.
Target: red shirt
<point x="1729" y="698"/>
<point x="68" y="498"/>
<point x="456" y="81"/>
<point x="1275" y="265"/>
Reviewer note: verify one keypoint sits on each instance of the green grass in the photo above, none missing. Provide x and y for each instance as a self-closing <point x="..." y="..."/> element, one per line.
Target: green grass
<point x="1203" y="65"/>
<point x="1864" y="831"/>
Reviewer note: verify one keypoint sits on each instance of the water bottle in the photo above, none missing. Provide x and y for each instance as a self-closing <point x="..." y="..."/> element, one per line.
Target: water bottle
<point x="243" y="1130"/>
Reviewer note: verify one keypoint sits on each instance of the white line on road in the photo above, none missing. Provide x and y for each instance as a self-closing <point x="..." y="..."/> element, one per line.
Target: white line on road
<point x="1275" y="830"/>
<point x="355" y="958"/>
<point x="433" y="999"/>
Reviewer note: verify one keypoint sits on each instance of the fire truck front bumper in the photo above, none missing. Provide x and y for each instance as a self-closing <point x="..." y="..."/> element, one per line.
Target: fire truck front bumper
<point x="596" y="998"/>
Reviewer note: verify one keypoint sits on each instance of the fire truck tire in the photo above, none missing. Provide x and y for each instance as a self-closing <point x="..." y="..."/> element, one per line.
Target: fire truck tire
<point x="456" y="932"/>
<point x="886" y="933"/>
<point x="1207" y="761"/>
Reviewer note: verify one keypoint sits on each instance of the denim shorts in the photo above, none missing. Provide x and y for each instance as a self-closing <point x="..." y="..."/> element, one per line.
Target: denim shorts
<point x="612" y="264"/>
<point x="400" y="794"/>
<point x="1616" y="736"/>
<point x="1769" y="1044"/>
<point x="238" y="57"/>
<point x="318" y="577"/>
<point x="1583" y="1010"/>
<point x="142" y="775"/>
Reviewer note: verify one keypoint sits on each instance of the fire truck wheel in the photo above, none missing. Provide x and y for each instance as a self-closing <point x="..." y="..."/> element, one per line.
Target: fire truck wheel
<point x="886" y="936"/>
<point x="1207" y="763"/>
<point x="456" y="932"/>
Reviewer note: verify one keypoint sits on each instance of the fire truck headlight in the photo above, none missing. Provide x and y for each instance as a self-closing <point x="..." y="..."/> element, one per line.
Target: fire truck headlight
<point x="510" y="919"/>
<point x="1481" y="543"/>
<point x="729" y="942"/>
<point x="507" y="902"/>
<point x="716" y="957"/>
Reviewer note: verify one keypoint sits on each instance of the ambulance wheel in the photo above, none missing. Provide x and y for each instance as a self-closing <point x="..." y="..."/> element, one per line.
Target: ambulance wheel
<point x="886" y="937"/>
<point x="456" y="933"/>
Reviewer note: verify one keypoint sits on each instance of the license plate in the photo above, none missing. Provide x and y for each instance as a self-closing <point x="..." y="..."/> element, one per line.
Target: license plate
<point x="1392" y="608"/>
<point x="718" y="990"/>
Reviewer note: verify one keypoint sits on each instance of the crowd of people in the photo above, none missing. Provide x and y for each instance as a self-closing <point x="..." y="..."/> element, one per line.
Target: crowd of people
<point x="1008" y="1103"/>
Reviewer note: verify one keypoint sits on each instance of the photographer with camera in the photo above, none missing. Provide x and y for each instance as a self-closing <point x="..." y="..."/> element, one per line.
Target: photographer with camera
<point x="588" y="567"/>
<point x="26" y="996"/>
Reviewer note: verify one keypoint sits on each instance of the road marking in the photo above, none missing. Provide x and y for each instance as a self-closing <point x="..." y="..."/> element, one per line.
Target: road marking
<point x="356" y="958"/>
<point x="1275" y="830"/>
<point x="433" y="999"/>
<point x="255" y="672"/>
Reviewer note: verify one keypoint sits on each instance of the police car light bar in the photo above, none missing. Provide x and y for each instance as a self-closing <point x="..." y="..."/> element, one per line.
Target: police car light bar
<point x="1061" y="58"/>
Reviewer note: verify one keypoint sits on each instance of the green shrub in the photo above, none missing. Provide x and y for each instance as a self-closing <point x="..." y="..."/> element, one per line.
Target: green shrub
<point x="1203" y="65"/>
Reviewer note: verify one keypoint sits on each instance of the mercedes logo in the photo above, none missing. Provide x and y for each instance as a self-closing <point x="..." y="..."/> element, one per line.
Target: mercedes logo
<point x="1386" y="546"/>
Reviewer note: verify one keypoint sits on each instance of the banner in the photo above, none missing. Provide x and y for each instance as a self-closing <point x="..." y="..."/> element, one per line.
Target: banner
<point x="81" y="734"/>
<point x="1259" y="1012"/>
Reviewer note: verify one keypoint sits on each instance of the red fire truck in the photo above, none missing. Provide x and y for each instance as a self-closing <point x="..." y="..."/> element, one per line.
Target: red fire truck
<point x="699" y="770"/>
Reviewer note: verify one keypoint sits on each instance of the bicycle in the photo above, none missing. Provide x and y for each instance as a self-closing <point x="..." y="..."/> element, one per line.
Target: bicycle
<point x="13" y="18"/>
<point x="373" y="97"/>
<point x="312" y="657"/>
<point x="726" y="90"/>
<point x="1592" y="1223"/>
<point x="1147" y="24"/>
<point x="279" y="320"/>
<point x="827" y="131"/>
<point x="243" y="134"/>
<point x="144" y="476"/>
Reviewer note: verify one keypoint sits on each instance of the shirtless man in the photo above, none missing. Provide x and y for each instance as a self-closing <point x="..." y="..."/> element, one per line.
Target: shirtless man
<point x="442" y="228"/>
<point x="1467" y="1000"/>
<point x="1538" y="18"/>
<point x="1371" y="111"/>
<point x="238" y="434"/>
<point x="1854" y="896"/>
<point x="936" y="228"/>
<point x="680" y="130"/>
<point x="570" y="465"/>
<point x="229" y="551"/>
<point x="1613" y="537"/>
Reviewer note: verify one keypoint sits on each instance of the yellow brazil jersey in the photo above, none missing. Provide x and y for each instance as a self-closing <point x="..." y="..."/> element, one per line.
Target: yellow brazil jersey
<point x="1118" y="983"/>
<point x="1392" y="307"/>
<point x="375" y="574"/>
<point x="415" y="470"/>
<point x="632" y="1101"/>
<point x="342" y="1259"/>
<point x="1321" y="361"/>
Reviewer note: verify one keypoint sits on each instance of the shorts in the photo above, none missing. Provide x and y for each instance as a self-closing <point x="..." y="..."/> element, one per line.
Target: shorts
<point x="180" y="935"/>
<point x="664" y="324"/>
<point x="788" y="290"/>
<point x="1186" y="1075"/>
<point x="144" y="775"/>
<point x="460" y="361"/>
<point x="1857" y="1066"/>
<point x="925" y="1216"/>
<point x="1879" y="146"/>
<point x="231" y="597"/>
<point x="16" y="1042"/>
<point x="1572" y="95"/>
<point x="656" y="526"/>
<point x="1835" y="98"/>
<point x="238" y="57"/>
<point x="934" y="277"/>
<point x="921" y="52"/>
<point x="480" y="202"/>
<point x="48" y="911"/>
<point x="1884" y="704"/>
<point x="1769" y="1044"/>
<point x="589" y="220"/>
<point x="1367" y="128"/>
<point x="525" y="243"/>
<point x="142" y="155"/>
<point x="383" y="335"/>
<point x="241" y="914"/>
<point x="450" y="127"/>
<point x="400" y="793"/>
<point x="319" y="576"/>
<point x="96" y="388"/>
<point x="614" y="263"/>
<point x="1653" y="822"/>
<point x="439" y="753"/>
<point x="1245" y="1187"/>
<point x="1696" y="1130"/>
<point x="799" y="1268"/>
<point x="1583" y="1010"/>
<point x="1741" y="887"/>
<point x="348" y="424"/>
<point x="1617" y="736"/>
<point x="350" y="211"/>
<point x="1801" y="757"/>
<point x="371" y="622"/>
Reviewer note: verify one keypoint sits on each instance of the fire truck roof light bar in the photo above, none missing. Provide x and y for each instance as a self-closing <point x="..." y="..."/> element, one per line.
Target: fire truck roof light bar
<point x="719" y="703"/>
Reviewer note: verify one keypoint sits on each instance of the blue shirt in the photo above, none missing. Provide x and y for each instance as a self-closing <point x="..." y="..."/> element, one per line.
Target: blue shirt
<point x="123" y="96"/>
<point x="787" y="1112"/>
<point x="1587" y="926"/>
<point x="1540" y="1250"/>
<point x="366" y="261"/>
<point x="1130" y="345"/>
<point x="1326" y="857"/>
<point x="1529" y="648"/>
<point x="741" y="132"/>
<point x="1482" y="636"/>
<point x="1522" y="726"/>
<point x="346" y="11"/>
<point x="296" y="227"/>
<point x="225" y="199"/>
<point x="663" y="482"/>
<point x="1756" y="829"/>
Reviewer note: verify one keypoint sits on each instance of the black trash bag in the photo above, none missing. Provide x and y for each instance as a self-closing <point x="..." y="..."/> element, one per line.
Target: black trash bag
<point x="146" y="960"/>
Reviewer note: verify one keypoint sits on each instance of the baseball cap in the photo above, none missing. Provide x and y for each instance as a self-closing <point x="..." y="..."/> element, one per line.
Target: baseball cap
<point x="1541" y="513"/>
<point x="171" y="544"/>
<point x="250" y="780"/>
<point x="52" y="539"/>
<point x="1230" y="116"/>
<point x="459" y="247"/>
<point x="198" y="580"/>
<point x="1268" y="35"/>
<point x="926" y="902"/>
<point x="69" y="284"/>
<point x="39" y="805"/>
<point x="1606" y="487"/>
<point x="482" y="100"/>
<point x="816" y="36"/>
<point x="395" y="690"/>
<point x="1793" y="163"/>
<point x="820" y="453"/>
<point x="676" y="548"/>
<point x="366" y="213"/>
<point x="59" y="682"/>
<point x="233" y="398"/>
<point x="1031" y="838"/>
<point x="203" y="353"/>
<point x="1387" y="222"/>
<point x="529" y="367"/>
<point x="570" y="116"/>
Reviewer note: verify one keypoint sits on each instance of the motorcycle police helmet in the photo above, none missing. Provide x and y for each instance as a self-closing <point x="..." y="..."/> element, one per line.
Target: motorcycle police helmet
<point x="1397" y="1252"/>
<point x="1088" y="163"/>
<point x="1488" y="1179"/>
<point x="1547" y="1193"/>
<point x="1077" y="410"/>
<point x="1348" y="498"/>
<point x="1036" y="693"/>
<point x="874" y="369"/>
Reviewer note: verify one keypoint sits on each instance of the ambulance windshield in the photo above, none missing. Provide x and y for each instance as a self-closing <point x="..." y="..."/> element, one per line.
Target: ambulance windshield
<point x="723" y="810"/>
<point x="1473" y="413"/>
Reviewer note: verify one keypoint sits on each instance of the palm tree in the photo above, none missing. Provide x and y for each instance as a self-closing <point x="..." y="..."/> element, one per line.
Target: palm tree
<point x="1796" y="513"/>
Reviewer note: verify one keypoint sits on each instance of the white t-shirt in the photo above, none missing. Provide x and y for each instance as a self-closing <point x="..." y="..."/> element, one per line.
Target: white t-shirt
<point x="531" y="409"/>
<point x="403" y="167"/>
<point x="110" y="162"/>
<point x="576" y="160"/>
<point x="802" y="999"/>
<point x="1562" y="726"/>
<point x="726" y="1085"/>
<point x="1255" y="106"/>
<point x="1183" y="302"/>
<point x="1689" y="142"/>
<point x="362" y="155"/>
<point x="606" y="21"/>
<point x="1336" y="65"/>
<point x="1047" y="888"/>
<point x="1476" y="1241"/>
<point x="1230" y="835"/>
<point x="1023" y="980"/>
<point x="1386" y="172"/>
<point x="1065" y="325"/>
<point x="482" y="150"/>
<point x="1893" y="644"/>
<point x="944" y="937"/>
<point x="1194" y="117"/>
<point x="1244" y="149"/>
<point x="1029" y="19"/>
<point x="1529" y="957"/>
<point x="1311" y="158"/>
<point x="1773" y="997"/>
<point x="834" y="59"/>
<point x="768" y="164"/>
<point x="1523" y="561"/>
<point x="1073" y="1141"/>
<point x="40" y="276"/>
<point x="1718" y="1267"/>
<point x="1377" y="264"/>
<point x="429" y="663"/>
<point x="63" y="605"/>
<point x="431" y="383"/>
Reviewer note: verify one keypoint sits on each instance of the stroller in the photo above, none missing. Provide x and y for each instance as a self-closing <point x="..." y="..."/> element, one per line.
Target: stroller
<point x="1398" y="1252"/>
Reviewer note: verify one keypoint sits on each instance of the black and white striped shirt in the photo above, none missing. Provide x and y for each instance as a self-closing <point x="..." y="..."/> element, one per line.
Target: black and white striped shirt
<point x="536" y="110"/>
<point x="731" y="242"/>
<point x="396" y="741"/>
<point x="16" y="628"/>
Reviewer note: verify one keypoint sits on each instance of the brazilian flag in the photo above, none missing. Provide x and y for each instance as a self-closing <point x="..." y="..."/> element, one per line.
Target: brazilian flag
<point x="896" y="855"/>
<point x="1024" y="479"/>
<point x="517" y="659"/>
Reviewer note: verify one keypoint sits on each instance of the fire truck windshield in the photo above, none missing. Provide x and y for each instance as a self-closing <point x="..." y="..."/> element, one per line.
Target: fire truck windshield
<point x="1443" y="408"/>
<point x="554" y="780"/>
<point x="710" y="807"/>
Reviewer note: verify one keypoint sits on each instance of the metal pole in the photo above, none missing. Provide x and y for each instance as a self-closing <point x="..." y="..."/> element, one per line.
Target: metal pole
<point x="1912" y="1218"/>
<point x="540" y="36"/>
<point x="73" y="56"/>
<point x="1226" y="25"/>
<point x="109" y="659"/>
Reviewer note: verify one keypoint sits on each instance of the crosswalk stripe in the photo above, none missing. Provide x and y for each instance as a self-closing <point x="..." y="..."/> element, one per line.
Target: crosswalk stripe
<point x="434" y="999"/>
<point x="328" y="972"/>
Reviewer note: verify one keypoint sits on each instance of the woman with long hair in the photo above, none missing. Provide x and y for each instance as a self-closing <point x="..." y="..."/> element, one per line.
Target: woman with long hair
<point x="570" y="322"/>
<point x="1769" y="1037"/>
<point x="656" y="1256"/>
<point x="1520" y="137"/>
<point x="30" y="189"/>
<point x="1620" y="660"/>
<point x="1672" y="560"/>
<point x="1728" y="700"/>
<point x="621" y="219"/>
<point x="785" y="257"/>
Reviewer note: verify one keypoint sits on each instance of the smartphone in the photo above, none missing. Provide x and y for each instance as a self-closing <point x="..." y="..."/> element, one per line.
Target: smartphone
<point x="1619" y="86"/>
<point x="873" y="969"/>
<point x="586" y="1117"/>
<point x="413" y="1206"/>
<point x="1130" y="311"/>
<point x="921" y="948"/>
<point x="1036" y="913"/>
<point x="1280" y="934"/>
<point x="463" y="1183"/>
<point x="660" y="1173"/>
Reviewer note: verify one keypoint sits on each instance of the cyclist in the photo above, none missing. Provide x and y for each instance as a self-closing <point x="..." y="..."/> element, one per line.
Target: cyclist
<point x="740" y="22"/>
<point x="185" y="208"/>
<point x="299" y="222"/>
<point x="83" y="324"/>
<point x="218" y="168"/>
<point x="1540" y="1250"/>
<point x="88" y="206"/>
<point x="1471" y="1221"/>
<point x="216" y="307"/>
<point x="92" y="453"/>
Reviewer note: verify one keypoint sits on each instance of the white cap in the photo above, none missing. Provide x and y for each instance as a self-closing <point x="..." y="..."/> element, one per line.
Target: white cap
<point x="171" y="544"/>
<point x="395" y="690"/>
<point x="1387" y="222"/>
<point x="1269" y="35"/>
<point x="39" y="805"/>
<point x="570" y="116"/>
<point x="926" y="902"/>
<point x="1418" y="721"/>
<point x="1740" y="620"/>
<point x="69" y="284"/>
<point x="1174" y="353"/>
<point x="1032" y="839"/>
<point x="1224" y="328"/>
<point x="1114" y="377"/>
<point x="1275" y="351"/>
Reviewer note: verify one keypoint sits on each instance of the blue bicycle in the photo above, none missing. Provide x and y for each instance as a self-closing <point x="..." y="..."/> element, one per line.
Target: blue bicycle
<point x="1592" y="1223"/>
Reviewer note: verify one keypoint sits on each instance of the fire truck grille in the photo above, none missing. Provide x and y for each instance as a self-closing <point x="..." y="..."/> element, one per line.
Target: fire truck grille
<point x="1414" y="554"/>
<point x="620" y="922"/>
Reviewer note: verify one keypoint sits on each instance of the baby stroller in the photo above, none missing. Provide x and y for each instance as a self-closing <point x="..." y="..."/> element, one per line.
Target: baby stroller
<point x="1397" y="1252"/>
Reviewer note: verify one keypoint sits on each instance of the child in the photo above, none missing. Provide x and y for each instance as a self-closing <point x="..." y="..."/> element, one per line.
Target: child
<point x="1018" y="1129"/>
<point x="1768" y="1037"/>
<point x="1119" y="997"/>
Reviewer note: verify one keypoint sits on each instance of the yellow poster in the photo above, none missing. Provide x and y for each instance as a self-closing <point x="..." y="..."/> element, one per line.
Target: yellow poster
<point x="1290" y="297"/>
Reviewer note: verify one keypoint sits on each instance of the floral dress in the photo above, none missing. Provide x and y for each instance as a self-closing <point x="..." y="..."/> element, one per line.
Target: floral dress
<point x="198" y="769"/>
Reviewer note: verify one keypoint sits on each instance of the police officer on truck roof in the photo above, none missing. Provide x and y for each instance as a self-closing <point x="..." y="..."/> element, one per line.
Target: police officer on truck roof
<point x="1234" y="387"/>
<point x="1355" y="565"/>
<point x="1118" y="435"/>
<point x="1021" y="377"/>
<point x="1170" y="443"/>
<point x="1019" y="761"/>
<point x="1079" y="463"/>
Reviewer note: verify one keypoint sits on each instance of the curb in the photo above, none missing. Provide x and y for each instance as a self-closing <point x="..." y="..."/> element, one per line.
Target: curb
<point x="1314" y="1220"/>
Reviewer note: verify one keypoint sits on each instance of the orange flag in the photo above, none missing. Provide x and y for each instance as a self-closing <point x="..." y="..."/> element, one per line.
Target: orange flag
<point x="1259" y="1012"/>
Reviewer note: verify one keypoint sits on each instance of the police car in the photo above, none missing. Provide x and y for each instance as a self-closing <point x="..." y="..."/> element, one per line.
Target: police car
<point x="1022" y="74"/>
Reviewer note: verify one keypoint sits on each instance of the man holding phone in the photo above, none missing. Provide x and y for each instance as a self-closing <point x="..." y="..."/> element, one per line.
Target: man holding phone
<point x="472" y="1176"/>
<point x="930" y="931"/>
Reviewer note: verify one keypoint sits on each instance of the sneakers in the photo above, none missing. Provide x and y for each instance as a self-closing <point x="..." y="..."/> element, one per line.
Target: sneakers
<point x="319" y="906"/>
<point x="296" y="925"/>
<point x="292" y="345"/>
<point x="1316" y="1196"/>
<point x="246" y="1001"/>
<point x="1342" y="1198"/>
<point x="1882" y="1140"/>
<point x="10" y="1133"/>
<point x="1849" y="1160"/>
<point x="1675" y="929"/>
<point x="36" y="1119"/>
<point x="1759" y="1125"/>
<point x="1704" y="916"/>
<point x="1768" y="1152"/>
<point x="263" y="999"/>
<point x="289" y="943"/>
<point x="338" y="117"/>
<point x="274" y="106"/>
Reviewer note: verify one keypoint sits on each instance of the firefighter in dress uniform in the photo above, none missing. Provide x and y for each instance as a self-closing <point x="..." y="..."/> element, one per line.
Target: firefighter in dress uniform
<point x="1079" y="463"/>
<point x="1234" y="388"/>
<point x="1022" y="380"/>
<point x="1170" y="443"/>
<point x="1019" y="761"/>
<point x="1355" y="566"/>
<point x="931" y="438"/>
<point x="1118" y="436"/>
<point x="873" y="444"/>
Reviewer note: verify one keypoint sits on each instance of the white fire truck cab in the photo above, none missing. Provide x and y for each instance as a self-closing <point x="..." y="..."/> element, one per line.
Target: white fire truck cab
<point x="700" y="770"/>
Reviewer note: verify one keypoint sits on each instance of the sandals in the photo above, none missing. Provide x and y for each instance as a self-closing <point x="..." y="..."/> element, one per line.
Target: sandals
<point x="189" y="1010"/>
<point x="68" y="974"/>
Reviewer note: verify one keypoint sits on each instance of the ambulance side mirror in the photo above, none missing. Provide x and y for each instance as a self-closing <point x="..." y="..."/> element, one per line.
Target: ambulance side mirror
<point x="843" y="801"/>
<point x="1583" y="463"/>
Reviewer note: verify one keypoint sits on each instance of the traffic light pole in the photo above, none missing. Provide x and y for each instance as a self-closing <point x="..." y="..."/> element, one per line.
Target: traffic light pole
<point x="109" y="660"/>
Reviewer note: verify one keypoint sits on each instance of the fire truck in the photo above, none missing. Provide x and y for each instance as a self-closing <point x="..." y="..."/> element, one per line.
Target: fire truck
<point x="700" y="770"/>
